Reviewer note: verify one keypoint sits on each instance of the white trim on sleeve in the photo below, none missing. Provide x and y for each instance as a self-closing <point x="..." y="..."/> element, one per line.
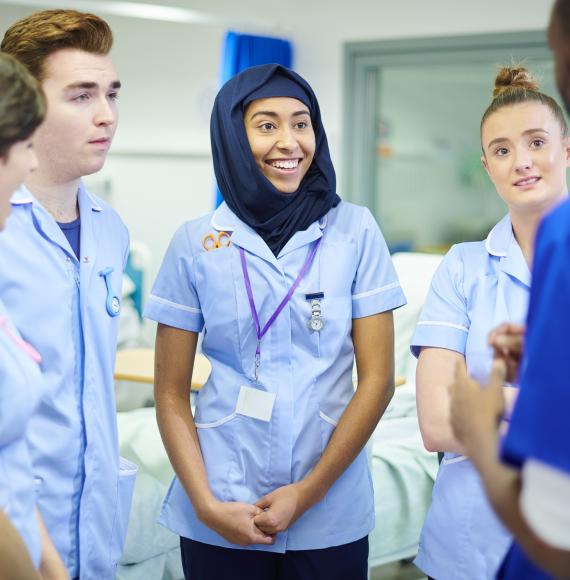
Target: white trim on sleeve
<point x="175" y="305"/>
<point x="376" y="291"/>
<point x="544" y="502"/>
<point x="438" y="323"/>
<point x="456" y="459"/>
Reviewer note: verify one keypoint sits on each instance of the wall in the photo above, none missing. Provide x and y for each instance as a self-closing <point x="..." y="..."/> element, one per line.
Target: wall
<point x="158" y="172"/>
<point x="159" y="166"/>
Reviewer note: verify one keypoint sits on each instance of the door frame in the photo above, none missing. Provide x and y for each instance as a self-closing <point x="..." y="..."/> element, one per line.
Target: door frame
<point x="363" y="63"/>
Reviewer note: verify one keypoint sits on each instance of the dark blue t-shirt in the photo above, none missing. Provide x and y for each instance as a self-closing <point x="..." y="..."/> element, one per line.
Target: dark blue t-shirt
<point x="72" y="231"/>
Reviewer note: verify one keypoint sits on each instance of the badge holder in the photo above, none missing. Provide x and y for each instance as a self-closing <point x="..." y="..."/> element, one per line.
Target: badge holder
<point x="316" y="323"/>
<point x="112" y="302"/>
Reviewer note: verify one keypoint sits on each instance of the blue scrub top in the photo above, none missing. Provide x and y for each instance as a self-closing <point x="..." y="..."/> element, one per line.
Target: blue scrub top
<point x="539" y="426"/>
<point x="20" y="392"/>
<point x="308" y="372"/>
<point x="477" y="286"/>
<point x="84" y="497"/>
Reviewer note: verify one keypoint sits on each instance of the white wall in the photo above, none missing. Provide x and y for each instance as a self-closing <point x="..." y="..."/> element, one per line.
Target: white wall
<point x="319" y="28"/>
<point x="159" y="165"/>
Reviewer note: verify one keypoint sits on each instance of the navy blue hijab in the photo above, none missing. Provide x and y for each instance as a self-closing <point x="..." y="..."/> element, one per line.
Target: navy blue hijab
<point x="275" y="216"/>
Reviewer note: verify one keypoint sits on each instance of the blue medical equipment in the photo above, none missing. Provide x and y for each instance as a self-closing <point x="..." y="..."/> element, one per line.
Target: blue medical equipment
<point x="112" y="303"/>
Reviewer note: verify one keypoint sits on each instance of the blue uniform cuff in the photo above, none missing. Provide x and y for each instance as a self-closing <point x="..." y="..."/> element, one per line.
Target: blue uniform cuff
<point x="377" y="301"/>
<point x="177" y="316"/>
<point x="439" y="335"/>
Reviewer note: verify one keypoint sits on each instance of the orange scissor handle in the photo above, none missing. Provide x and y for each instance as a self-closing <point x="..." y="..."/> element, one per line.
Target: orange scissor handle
<point x="210" y="242"/>
<point x="224" y="240"/>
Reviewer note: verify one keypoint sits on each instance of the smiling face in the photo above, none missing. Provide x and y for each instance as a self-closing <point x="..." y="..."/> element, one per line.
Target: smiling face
<point x="81" y="90"/>
<point x="282" y="140"/>
<point x="526" y="156"/>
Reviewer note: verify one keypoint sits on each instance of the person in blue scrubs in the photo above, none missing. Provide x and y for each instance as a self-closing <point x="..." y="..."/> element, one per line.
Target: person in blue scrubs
<point x="288" y="284"/>
<point x="529" y="489"/>
<point x="63" y="291"/>
<point x="478" y="286"/>
<point x="22" y="109"/>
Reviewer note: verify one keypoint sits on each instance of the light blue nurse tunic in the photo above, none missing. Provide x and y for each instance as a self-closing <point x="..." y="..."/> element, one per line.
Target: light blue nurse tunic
<point x="478" y="286"/>
<point x="20" y="392"/>
<point x="307" y="374"/>
<point x="59" y="304"/>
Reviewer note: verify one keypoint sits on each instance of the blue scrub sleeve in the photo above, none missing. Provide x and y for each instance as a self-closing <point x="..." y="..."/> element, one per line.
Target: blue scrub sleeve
<point x="444" y="322"/>
<point x="540" y="428"/>
<point x="173" y="300"/>
<point x="376" y="287"/>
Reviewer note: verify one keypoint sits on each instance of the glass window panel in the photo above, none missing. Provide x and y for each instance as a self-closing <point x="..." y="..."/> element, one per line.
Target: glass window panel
<point x="430" y="187"/>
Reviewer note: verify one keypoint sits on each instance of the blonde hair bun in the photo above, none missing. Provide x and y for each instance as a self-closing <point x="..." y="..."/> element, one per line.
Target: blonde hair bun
<point x="514" y="78"/>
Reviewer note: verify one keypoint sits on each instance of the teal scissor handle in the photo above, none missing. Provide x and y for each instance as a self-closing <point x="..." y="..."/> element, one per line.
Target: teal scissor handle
<point x="112" y="302"/>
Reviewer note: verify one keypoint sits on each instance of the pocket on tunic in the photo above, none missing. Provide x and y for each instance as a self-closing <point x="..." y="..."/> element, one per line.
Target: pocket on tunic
<point x="328" y="425"/>
<point x="354" y="481"/>
<point x="236" y="451"/>
<point x="125" y="488"/>
<point x="217" y="442"/>
<point x="336" y="312"/>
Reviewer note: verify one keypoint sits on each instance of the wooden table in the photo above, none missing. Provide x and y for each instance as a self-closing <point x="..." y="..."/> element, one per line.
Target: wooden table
<point x="137" y="365"/>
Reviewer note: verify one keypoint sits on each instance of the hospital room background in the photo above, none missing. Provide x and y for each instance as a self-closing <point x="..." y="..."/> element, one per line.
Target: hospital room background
<point x="402" y="86"/>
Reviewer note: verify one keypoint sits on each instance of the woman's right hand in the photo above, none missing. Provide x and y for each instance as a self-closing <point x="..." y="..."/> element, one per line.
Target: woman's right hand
<point x="507" y="341"/>
<point x="234" y="521"/>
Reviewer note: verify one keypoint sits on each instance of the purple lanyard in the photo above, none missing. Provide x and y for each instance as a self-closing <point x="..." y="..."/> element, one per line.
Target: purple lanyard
<point x="262" y="331"/>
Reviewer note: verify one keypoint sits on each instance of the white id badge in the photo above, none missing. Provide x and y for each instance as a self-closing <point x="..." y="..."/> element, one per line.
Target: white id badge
<point x="255" y="403"/>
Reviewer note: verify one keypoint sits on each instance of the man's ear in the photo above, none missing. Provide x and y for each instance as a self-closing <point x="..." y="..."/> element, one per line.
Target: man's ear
<point x="566" y="145"/>
<point x="485" y="166"/>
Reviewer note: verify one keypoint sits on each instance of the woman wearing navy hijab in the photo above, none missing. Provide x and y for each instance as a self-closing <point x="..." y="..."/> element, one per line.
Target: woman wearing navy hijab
<point x="288" y="284"/>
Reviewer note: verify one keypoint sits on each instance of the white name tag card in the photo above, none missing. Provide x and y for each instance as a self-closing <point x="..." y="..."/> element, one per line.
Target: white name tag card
<point x="255" y="403"/>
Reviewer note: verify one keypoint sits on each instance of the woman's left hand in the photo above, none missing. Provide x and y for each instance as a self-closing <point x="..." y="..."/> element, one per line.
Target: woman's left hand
<point x="281" y="508"/>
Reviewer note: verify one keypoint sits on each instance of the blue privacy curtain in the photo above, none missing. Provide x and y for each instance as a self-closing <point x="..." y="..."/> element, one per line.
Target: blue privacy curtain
<point x="244" y="50"/>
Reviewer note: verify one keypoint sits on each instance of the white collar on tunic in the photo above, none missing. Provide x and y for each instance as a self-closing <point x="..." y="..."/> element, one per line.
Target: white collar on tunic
<point x="501" y="243"/>
<point x="23" y="196"/>
<point x="500" y="238"/>
<point x="225" y="220"/>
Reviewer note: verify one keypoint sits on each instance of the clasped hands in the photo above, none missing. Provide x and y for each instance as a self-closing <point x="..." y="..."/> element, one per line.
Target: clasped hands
<point x="476" y="411"/>
<point x="245" y="524"/>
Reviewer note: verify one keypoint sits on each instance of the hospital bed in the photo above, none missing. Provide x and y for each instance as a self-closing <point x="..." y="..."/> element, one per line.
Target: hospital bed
<point x="403" y="472"/>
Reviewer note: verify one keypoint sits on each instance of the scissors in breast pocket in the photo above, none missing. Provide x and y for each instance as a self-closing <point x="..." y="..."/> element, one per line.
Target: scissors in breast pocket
<point x="211" y="242"/>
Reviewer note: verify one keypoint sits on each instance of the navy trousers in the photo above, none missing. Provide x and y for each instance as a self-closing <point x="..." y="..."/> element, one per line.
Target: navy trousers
<point x="205" y="562"/>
